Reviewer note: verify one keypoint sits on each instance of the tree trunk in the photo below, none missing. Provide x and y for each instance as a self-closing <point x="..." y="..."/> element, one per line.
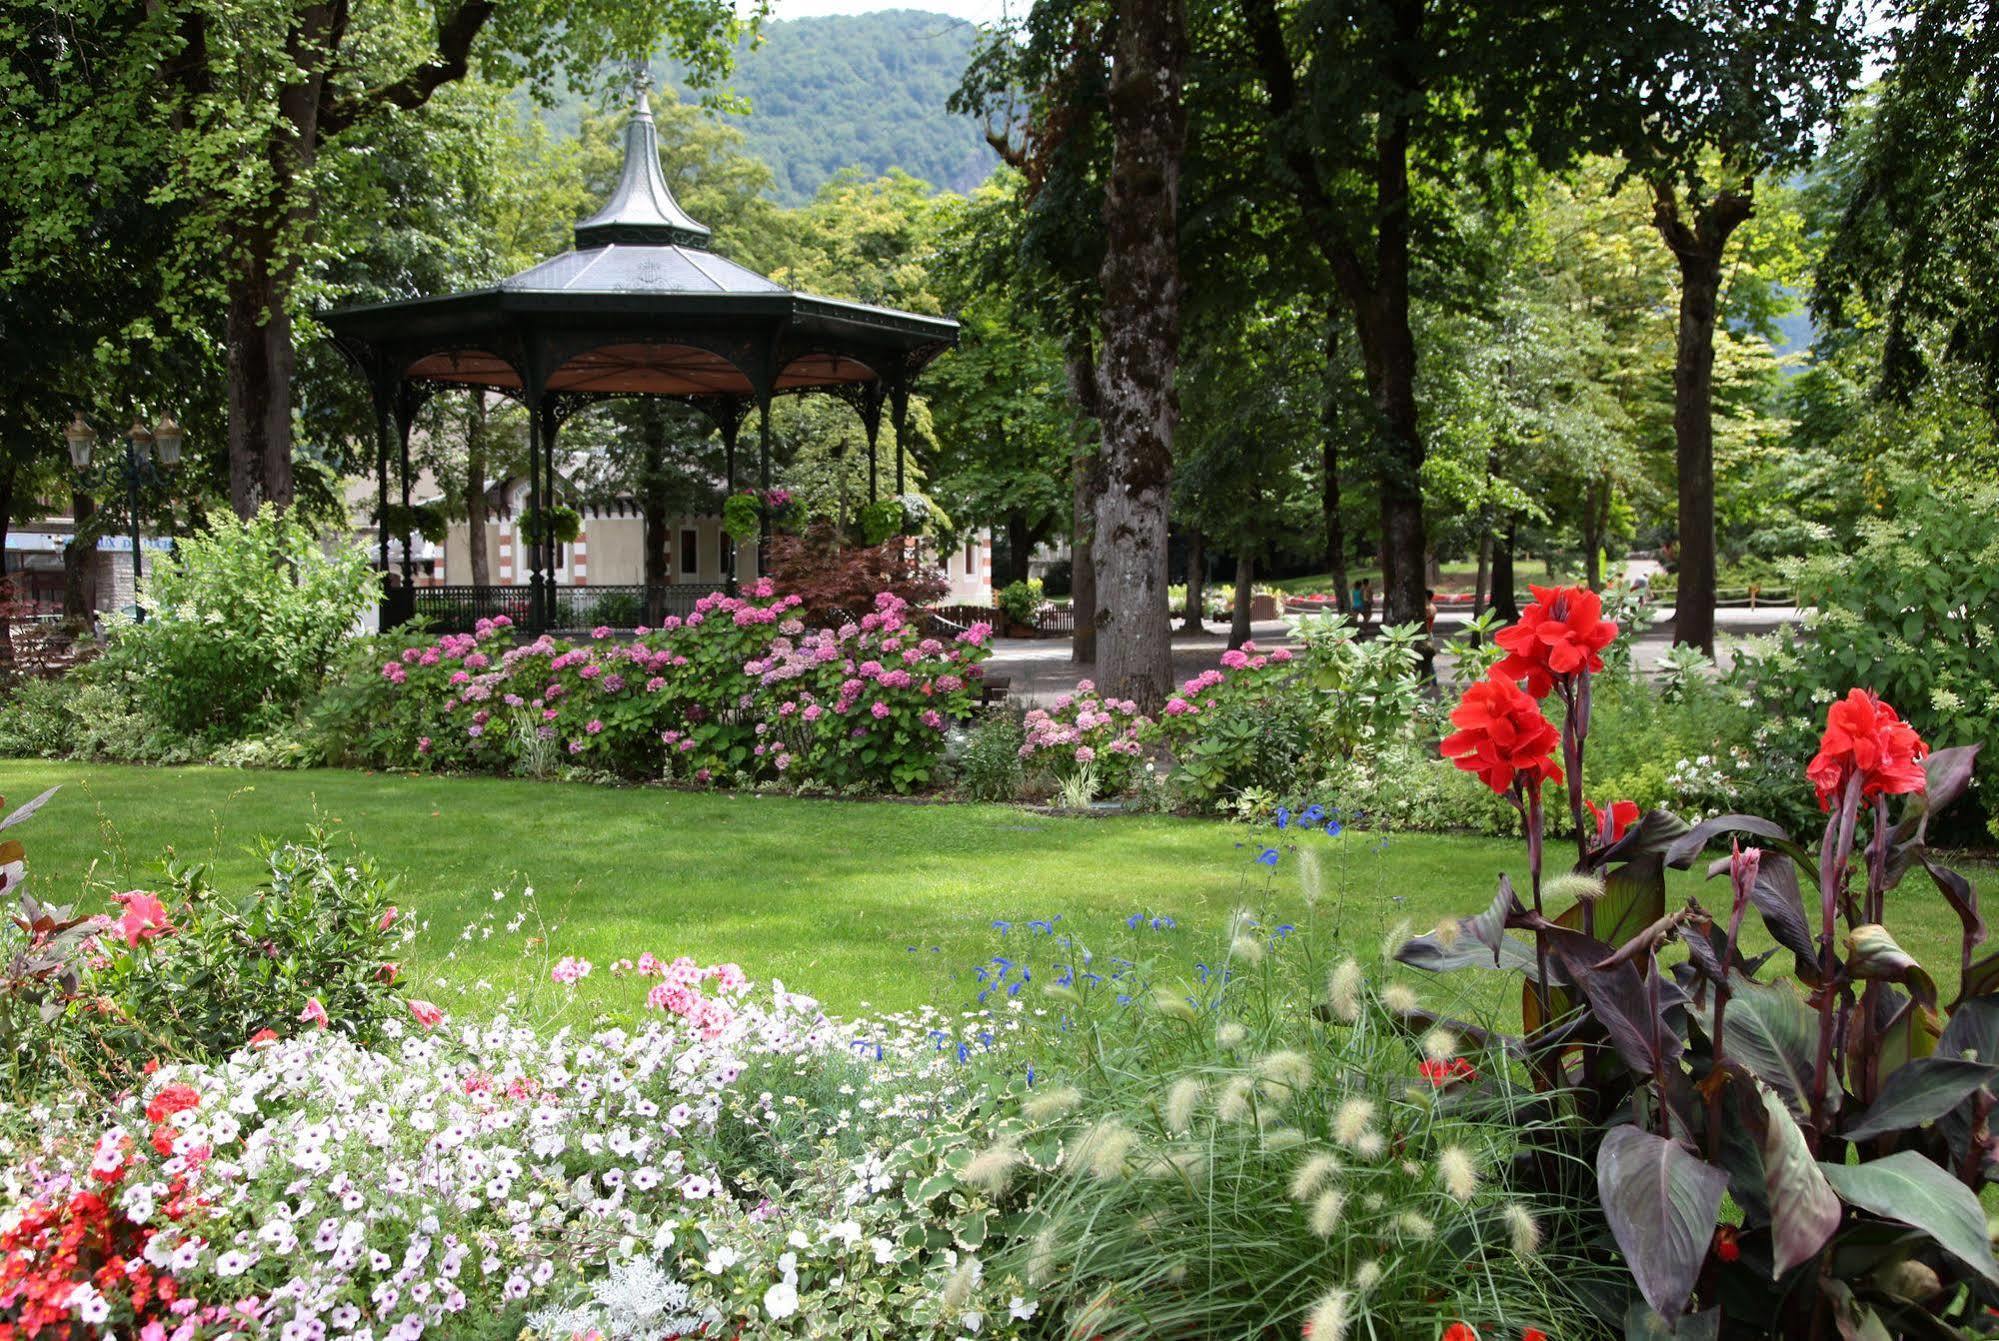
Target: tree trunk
<point x="1481" y="588"/>
<point x="1592" y="541"/>
<point x="1138" y="407"/>
<point x="1245" y="593"/>
<point x="1018" y="547"/>
<point x="8" y="594"/>
<point x="1698" y="249"/>
<point x="79" y="565"/>
<point x="1197" y="584"/>
<point x="475" y="491"/>
<point x="1502" y="578"/>
<point x="1082" y="371"/>
<point x="1329" y="467"/>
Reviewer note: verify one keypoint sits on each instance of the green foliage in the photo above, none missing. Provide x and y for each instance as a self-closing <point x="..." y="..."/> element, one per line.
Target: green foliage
<point x="742" y="516"/>
<point x="989" y="769"/>
<point x="1907" y="611"/>
<point x="242" y="621"/>
<point x="1020" y="600"/>
<point x="558" y="522"/>
<point x="1233" y="1154"/>
<point x="203" y="970"/>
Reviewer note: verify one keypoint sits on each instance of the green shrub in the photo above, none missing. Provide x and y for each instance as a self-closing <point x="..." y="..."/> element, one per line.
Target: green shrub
<point x="35" y="721"/>
<point x="200" y="971"/>
<point x="1909" y="611"/>
<point x="990" y="768"/>
<point x="242" y="622"/>
<point x="1021" y="600"/>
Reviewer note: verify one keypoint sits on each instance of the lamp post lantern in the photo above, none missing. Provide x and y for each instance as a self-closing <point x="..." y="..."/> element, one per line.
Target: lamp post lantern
<point x="141" y="443"/>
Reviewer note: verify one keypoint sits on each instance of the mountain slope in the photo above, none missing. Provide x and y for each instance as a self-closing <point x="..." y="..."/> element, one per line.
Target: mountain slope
<point x="862" y="91"/>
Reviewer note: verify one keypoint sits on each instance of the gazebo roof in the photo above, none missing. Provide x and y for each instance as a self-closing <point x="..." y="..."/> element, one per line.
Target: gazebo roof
<point x="641" y="306"/>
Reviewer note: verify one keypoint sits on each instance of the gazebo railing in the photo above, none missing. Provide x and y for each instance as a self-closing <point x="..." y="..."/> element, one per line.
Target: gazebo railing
<point x="456" y="609"/>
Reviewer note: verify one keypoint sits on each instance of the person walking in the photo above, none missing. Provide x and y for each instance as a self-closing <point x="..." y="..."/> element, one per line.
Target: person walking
<point x="1366" y="601"/>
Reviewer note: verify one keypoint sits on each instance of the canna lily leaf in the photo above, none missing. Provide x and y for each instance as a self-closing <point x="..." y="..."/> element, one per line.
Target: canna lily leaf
<point x="1909" y="1189"/>
<point x="1771" y="1032"/>
<point x="1804" y="1210"/>
<point x="1775" y="895"/>
<point x="1661" y="1203"/>
<point x="1920" y="1092"/>
<point x="1634" y="897"/>
<point x="1973" y="1031"/>
<point x="19" y="813"/>
<point x="1642" y="1324"/>
<point x="1682" y="851"/>
<point x="1873" y="956"/>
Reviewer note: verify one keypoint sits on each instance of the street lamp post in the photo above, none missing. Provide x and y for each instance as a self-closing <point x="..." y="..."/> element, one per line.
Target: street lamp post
<point x="141" y="445"/>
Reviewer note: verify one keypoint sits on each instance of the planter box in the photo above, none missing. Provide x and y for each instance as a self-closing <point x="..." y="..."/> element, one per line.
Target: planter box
<point x="1263" y="607"/>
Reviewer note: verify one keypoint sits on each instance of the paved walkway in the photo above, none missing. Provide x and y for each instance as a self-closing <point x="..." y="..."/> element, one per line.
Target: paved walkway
<point x="1037" y="669"/>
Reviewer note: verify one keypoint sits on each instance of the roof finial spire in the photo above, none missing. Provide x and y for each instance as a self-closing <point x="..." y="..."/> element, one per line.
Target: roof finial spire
<point x="642" y="210"/>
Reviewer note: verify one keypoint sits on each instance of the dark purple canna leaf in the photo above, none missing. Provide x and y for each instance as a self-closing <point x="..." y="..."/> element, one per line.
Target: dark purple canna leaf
<point x="1973" y="1031"/>
<point x="1655" y="831"/>
<point x="19" y="813"/>
<point x="1619" y="999"/>
<point x="1773" y="1034"/>
<point x="1661" y="1203"/>
<point x="1781" y="907"/>
<point x="1963" y="900"/>
<point x="1804" y="1210"/>
<point x="1920" y="1092"/>
<point x="1912" y="1190"/>
<point x="1682" y="851"/>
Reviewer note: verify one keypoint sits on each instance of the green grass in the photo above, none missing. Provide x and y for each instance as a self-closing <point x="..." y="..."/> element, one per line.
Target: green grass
<point x="879" y="904"/>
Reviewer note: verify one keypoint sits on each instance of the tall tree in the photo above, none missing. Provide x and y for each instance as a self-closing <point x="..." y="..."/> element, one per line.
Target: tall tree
<point x="1702" y="101"/>
<point x="1913" y="245"/>
<point x="1138" y="406"/>
<point x="1365" y="106"/>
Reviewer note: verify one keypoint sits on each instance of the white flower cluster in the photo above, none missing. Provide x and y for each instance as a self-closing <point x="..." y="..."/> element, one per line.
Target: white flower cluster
<point x="308" y="1188"/>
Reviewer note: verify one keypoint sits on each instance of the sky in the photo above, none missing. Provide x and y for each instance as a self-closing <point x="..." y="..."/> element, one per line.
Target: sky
<point x="978" y="11"/>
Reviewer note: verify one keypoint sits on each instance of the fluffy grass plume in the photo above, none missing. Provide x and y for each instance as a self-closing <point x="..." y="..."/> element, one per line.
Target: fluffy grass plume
<point x="1183" y="1100"/>
<point x="1231" y="1035"/>
<point x="1458" y="1171"/>
<point x="1330" y="1317"/>
<point x="1439" y="1044"/>
<point x="1102" y="1150"/>
<point x="991" y="1169"/>
<point x="1046" y="1105"/>
<point x="1400" y="999"/>
<point x="1312" y="1174"/>
<point x="1234" y="1104"/>
<point x="1327" y="1207"/>
<point x="1523" y="1230"/>
<point x="1351" y="1121"/>
<point x="1283" y="1073"/>
<point x="1343" y="990"/>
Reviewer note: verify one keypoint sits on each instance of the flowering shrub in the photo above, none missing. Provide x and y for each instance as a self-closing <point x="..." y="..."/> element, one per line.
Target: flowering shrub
<point x="740" y="691"/>
<point x="1087" y="730"/>
<point x="193" y="972"/>
<point x="1849" y="1124"/>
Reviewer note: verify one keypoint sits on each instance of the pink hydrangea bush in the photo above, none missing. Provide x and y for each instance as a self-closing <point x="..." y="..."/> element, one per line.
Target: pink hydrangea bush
<point x="1246" y="673"/>
<point x="738" y="691"/>
<point x="1086" y="729"/>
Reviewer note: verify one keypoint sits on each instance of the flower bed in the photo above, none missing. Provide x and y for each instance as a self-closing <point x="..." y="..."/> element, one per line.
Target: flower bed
<point x="740" y="691"/>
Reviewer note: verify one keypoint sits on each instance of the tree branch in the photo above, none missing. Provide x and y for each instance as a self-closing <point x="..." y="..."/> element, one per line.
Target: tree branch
<point x="455" y="37"/>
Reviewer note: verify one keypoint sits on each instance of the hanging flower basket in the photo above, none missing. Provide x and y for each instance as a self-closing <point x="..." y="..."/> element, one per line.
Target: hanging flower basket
<point x="560" y="523"/>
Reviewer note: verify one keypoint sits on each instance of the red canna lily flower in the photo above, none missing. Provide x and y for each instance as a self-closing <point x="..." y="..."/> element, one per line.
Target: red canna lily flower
<point x="1562" y="633"/>
<point x="1460" y="1331"/>
<point x="1725" y="1245"/>
<point x="1533" y="1334"/>
<point x="1865" y="737"/>
<point x="1611" y="827"/>
<point x="1443" y="1073"/>
<point x="1502" y="736"/>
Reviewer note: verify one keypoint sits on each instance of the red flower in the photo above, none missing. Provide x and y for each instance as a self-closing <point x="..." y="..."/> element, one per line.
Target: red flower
<point x="263" y="1036"/>
<point x="1533" y="1334"/>
<point x="1443" y="1073"/>
<point x="170" y="1100"/>
<point x="1502" y="736"/>
<point x="1725" y="1245"/>
<point x="1561" y="633"/>
<point x="427" y="1015"/>
<point x="1622" y="813"/>
<point x="1460" y="1331"/>
<point x="1865" y="737"/>
<point x="144" y="918"/>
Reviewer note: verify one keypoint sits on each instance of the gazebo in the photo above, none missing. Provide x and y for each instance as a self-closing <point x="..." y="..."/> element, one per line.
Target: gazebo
<point x="640" y="307"/>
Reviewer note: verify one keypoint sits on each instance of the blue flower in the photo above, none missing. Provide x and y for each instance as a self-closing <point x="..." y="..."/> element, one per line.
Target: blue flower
<point x="1030" y="1075"/>
<point x="1163" y="924"/>
<point x="1267" y="857"/>
<point x="1283" y="817"/>
<point x="1311" y="815"/>
<point x="1333" y="828"/>
<point x="1284" y="929"/>
<point x="1134" y="920"/>
<point x="1045" y="925"/>
<point x="1002" y="927"/>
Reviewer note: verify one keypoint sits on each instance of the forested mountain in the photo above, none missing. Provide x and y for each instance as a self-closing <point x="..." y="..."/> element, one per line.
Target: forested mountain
<point x="865" y="91"/>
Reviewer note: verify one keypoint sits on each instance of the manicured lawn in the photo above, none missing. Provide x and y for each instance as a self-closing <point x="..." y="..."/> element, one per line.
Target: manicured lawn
<point x="878" y="903"/>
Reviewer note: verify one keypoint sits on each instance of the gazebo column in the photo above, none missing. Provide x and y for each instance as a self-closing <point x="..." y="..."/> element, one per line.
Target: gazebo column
<point x="531" y="532"/>
<point x="406" y="403"/>
<point x="898" y="403"/>
<point x="763" y="485"/>
<point x="730" y="424"/>
<point x="385" y="428"/>
<point x="551" y="424"/>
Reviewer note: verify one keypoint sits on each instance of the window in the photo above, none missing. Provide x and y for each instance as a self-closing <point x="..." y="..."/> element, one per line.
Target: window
<point x="722" y="553"/>
<point x="690" y="554"/>
<point x="971" y="558"/>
